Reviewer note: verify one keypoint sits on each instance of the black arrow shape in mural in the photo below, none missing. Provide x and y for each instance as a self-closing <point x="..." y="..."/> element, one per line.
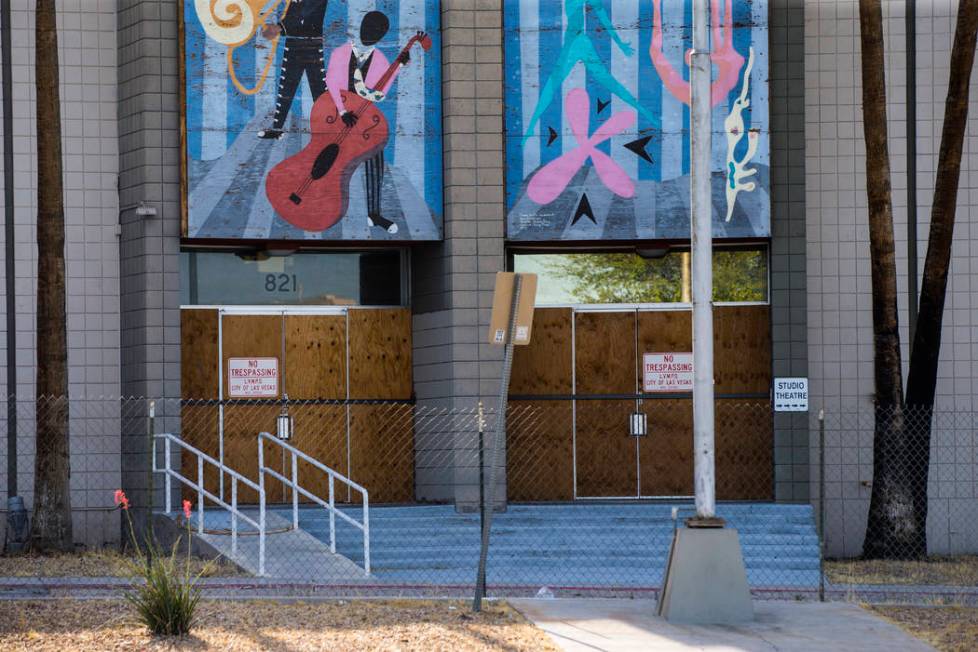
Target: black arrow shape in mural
<point x="552" y="138"/>
<point x="638" y="147"/>
<point x="583" y="210"/>
<point x="602" y="105"/>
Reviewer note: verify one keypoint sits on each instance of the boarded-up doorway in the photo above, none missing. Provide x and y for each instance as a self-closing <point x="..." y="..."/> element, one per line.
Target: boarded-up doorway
<point x="574" y="387"/>
<point x="342" y="374"/>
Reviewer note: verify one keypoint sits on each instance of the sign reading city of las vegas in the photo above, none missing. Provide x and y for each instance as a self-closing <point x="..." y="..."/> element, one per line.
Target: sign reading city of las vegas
<point x="667" y="372"/>
<point x="253" y="377"/>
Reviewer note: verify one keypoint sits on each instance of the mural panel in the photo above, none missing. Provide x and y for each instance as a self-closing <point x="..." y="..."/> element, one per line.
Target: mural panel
<point x="312" y="119"/>
<point x="597" y="119"/>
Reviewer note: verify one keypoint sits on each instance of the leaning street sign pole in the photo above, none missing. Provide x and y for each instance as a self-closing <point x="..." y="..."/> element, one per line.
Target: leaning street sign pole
<point x="705" y="580"/>
<point x="510" y="325"/>
<point x="701" y="231"/>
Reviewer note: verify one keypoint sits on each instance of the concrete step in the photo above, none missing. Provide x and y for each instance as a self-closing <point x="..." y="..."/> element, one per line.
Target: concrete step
<point x="571" y="578"/>
<point x="575" y="544"/>
<point x="381" y="564"/>
<point x="539" y="537"/>
<point x="557" y="519"/>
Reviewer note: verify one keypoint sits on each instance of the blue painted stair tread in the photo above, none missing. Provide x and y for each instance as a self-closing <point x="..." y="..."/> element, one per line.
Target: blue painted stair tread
<point x="570" y="545"/>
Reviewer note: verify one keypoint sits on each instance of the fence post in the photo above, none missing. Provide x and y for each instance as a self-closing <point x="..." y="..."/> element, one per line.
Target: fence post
<point x="481" y="583"/>
<point x="150" y="429"/>
<point x="821" y="505"/>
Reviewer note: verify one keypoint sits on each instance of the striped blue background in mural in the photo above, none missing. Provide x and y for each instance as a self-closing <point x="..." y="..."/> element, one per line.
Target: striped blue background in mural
<point x="221" y="122"/>
<point x="539" y="32"/>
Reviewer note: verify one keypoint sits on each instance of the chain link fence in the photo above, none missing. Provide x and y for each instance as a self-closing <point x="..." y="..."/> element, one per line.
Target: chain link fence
<point x="897" y="500"/>
<point x="388" y="495"/>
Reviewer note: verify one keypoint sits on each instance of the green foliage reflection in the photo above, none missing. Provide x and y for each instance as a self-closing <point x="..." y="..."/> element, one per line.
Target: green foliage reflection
<point x="738" y="275"/>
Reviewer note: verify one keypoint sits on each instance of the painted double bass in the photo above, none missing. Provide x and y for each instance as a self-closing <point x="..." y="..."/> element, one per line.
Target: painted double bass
<point x="311" y="190"/>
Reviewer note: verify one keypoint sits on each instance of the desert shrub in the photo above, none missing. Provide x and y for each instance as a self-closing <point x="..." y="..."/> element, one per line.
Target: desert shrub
<point x="164" y="596"/>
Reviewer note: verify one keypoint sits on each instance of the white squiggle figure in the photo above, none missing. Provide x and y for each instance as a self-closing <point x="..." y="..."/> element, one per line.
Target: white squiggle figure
<point x="229" y="22"/>
<point x="734" y="126"/>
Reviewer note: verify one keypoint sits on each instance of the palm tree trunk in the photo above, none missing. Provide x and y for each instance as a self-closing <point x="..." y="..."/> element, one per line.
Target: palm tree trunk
<point x="890" y="506"/>
<point x="51" y="528"/>
<point x="924" y="356"/>
<point x="926" y="350"/>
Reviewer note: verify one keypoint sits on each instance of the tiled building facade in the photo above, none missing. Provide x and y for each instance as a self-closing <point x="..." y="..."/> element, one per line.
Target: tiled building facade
<point x="121" y="103"/>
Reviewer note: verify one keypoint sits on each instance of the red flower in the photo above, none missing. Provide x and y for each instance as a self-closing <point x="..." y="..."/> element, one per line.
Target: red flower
<point x="186" y="509"/>
<point x="120" y="499"/>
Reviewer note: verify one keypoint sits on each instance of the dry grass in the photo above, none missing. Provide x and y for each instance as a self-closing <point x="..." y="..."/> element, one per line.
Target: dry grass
<point x="950" y="629"/>
<point x="952" y="571"/>
<point x="96" y="563"/>
<point x="259" y="625"/>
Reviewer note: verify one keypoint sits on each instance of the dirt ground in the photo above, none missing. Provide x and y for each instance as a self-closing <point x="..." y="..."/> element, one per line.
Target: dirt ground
<point x="96" y="563"/>
<point x="953" y="571"/>
<point x="950" y="629"/>
<point x="57" y="626"/>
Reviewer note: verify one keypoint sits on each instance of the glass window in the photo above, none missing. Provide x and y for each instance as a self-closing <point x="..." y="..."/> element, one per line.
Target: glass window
<point x="302" y="278"/>
<point x="739" y="275"/>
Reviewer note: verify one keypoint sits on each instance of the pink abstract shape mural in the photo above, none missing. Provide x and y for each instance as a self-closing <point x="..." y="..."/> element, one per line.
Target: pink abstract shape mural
<point x="597" y="119"/>
<point x="723" y="55"/>
<point x="551" y="180"/>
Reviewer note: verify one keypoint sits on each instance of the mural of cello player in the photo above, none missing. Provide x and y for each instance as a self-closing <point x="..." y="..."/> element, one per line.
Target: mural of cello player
<point x="311" y="190"/>
<point x="305" y="121"/>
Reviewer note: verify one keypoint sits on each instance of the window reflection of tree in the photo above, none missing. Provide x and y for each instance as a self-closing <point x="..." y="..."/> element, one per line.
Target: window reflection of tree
<point x="739" y="275"/>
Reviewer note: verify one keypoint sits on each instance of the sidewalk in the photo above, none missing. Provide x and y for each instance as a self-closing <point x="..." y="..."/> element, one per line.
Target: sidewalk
<point x="588" y="625"/>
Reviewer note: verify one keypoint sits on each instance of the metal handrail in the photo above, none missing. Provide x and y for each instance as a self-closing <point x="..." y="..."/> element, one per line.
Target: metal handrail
<point x="329" y="505"/>
<point x="202" y="492"/>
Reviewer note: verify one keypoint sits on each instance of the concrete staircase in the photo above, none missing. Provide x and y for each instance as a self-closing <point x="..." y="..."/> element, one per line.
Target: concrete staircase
<point x="587" y="545"/>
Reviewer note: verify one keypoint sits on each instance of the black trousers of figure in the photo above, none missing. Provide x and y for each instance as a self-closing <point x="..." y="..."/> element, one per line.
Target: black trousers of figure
<point x="301" y="55"/>
<point x="374" y="182"/>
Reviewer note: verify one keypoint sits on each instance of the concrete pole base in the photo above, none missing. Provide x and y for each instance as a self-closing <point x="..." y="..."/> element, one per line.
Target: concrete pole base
<point x="705" y="582"/>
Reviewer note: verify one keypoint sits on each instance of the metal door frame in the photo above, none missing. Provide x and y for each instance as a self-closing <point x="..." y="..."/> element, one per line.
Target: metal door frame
<point x="635" y="309"/>
<point x="283" y="311"/>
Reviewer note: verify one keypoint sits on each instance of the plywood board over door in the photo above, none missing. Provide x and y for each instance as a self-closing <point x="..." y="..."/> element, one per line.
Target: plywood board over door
<point x="605" y="364"/>
<point x="249" y="336"/>
<point x="539" y="433"/>
<point x="199" y="371"/>
<point x="742" y="349"/>
<point x="666" y="453"/>
<point x="381" y="434"/>
<point x="198" y="353"/>
<point x="315" y="360"/>
<point x="744" y="426"/>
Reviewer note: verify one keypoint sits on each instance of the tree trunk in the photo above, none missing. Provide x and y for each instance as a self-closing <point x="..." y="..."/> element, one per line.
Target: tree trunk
<point x="922" y="379"/>
<point x="926" y="351"/>
<point x="51" y="528"/>
<point x="891" y="510"/>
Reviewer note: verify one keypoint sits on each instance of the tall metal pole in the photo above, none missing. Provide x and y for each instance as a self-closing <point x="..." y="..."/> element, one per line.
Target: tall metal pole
<point x="8" y="230"/>
<point x="911" y="103"/>
<point x="702" y="250"/>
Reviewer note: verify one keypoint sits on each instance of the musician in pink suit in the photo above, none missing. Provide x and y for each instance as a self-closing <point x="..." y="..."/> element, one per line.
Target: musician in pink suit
<point x="357" y="69"/>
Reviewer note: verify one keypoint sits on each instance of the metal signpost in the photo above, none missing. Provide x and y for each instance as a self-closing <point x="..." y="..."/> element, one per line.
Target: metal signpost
<point x="511" y="324"/>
